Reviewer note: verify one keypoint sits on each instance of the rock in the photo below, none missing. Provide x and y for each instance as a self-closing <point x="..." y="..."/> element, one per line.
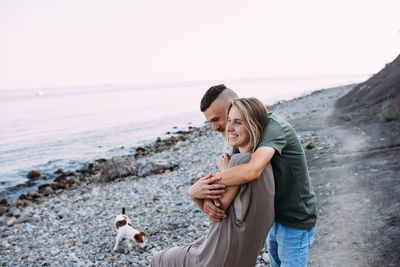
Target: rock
<point x="3" y="210"/>
<point x="26" y="184"/>
<point x="74" y="180"/>
<point x="141" y="151"/>
<point x="309" y="144"/>
<point x="265" y="257"/>
<point x="29" y="195"/>
<point x="36" y="218"/>
<point x="61" y="179"/>
<point x="116" y="167"/>
<point x="36" y="195"/>
<point x="26" y="202"/>
<point x="48" y="191"/>
<point x="42" y="187"/>
<point x="4" y="202"/>
<point x="14" y="212"/>
<point x="151" y="166"/>
<point x="22" y="197"/>
<point x="19" y="203"/>
<point x="61" y="182"/>
<point x="45" y="189"/>
<point x="22" y="219"/>
<point x="29" y="184"/>
<point x="33" y="175"/>
<point x="194" y="180"/>
<point x="119" y="250"/>
<point x="59" y="171"/>
<point x="11" y="222"/>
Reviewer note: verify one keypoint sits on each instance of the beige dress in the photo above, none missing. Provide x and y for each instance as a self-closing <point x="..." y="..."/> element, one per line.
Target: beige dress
<point x="237" y="239"/>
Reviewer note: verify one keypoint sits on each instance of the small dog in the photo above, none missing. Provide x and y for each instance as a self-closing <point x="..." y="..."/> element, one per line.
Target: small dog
<point x="125" y="230"/>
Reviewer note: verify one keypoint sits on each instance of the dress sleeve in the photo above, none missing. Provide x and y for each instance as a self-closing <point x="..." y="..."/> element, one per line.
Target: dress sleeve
<point x="242" y="198"/>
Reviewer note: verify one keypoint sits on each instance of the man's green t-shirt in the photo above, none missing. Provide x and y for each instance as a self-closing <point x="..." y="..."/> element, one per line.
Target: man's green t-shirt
<point x="295" y="201"/>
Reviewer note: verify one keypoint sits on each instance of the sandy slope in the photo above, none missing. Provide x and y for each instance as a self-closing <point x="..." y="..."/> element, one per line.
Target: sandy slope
<point x="355" y="170"/>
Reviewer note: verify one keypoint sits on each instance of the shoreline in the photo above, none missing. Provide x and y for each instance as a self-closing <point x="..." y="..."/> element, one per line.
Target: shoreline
<point x="76" y="225"/>
<point x="36" y="182"/>
<point x="35" y="178"/>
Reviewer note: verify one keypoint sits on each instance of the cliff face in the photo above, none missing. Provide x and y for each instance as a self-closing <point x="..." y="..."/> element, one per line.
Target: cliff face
<point x="367" y="98"/>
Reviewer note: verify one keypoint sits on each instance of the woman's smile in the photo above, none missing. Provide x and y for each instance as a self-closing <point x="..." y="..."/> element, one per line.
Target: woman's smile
<point x="238" y="135"/>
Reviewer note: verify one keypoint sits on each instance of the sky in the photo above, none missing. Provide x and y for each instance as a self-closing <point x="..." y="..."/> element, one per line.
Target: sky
<point x="46" y="43"/>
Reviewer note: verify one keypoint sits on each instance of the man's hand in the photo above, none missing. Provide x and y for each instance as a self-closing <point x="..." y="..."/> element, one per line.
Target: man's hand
<point x="214" y="213"/>
<point x="207" y="188"/>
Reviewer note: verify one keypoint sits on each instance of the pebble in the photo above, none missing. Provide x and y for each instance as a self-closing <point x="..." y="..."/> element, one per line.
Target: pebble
<point x="76" y="227"/>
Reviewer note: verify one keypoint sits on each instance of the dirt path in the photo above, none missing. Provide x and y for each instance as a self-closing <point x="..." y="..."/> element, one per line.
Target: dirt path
<point x="355" y="170"/>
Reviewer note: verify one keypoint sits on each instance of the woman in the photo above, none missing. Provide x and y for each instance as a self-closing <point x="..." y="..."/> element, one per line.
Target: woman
<point x="238" y="238"/>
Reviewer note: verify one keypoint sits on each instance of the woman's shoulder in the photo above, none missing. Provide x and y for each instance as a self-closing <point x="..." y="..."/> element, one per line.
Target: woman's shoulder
<point x="240" y="158"/>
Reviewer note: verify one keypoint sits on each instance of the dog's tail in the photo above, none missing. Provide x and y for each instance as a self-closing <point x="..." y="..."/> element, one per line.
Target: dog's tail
<point x="123" y="210"/>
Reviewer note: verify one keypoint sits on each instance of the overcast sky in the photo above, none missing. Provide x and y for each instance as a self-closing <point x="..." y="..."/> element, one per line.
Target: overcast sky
<point x="63" y="43"/>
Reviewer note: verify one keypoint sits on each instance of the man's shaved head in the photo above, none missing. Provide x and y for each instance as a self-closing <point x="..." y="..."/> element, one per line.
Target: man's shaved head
<point x="214" y="103"/>
<point x="220" y="93"/>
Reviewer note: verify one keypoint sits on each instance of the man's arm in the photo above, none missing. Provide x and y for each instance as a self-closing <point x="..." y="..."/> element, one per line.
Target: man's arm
<point x="247" y="172"/>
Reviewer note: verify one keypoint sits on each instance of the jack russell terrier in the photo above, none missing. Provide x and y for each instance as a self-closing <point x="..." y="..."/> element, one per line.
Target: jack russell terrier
<point x="125" y="230"/>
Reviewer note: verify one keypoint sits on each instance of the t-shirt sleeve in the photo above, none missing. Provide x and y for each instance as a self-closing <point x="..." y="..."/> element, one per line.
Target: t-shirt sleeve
<point x="274" y="136"/>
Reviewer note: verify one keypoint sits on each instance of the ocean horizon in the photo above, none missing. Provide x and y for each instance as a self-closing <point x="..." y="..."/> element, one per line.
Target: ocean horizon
<point x="46" y="129"/>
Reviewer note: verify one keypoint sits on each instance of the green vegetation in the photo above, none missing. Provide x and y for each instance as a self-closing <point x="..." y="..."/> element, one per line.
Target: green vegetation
<point x="388" y="112"/>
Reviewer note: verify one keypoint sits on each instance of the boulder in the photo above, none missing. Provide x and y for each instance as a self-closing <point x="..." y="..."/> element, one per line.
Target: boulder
<point x="22" y="203"/>
<point x="23" y="218"/>
<point x="46" y="190"/>
<point x="74" y="180"/>
<point x="14" y="212"/>
<point x="116" y="167"/>
<point x="36" y="196"/>
<point x="59" y="171"/>
<point x="33" y="174"/>
<point x="152" y="166"/>
<point x="60" y="183"/>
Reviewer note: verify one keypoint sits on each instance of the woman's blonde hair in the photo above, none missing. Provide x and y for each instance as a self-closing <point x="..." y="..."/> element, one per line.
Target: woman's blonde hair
<point x="254" y="115"/>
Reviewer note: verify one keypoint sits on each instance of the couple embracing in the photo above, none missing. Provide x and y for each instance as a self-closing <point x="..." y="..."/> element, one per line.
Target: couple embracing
<point x="261" y="192"/>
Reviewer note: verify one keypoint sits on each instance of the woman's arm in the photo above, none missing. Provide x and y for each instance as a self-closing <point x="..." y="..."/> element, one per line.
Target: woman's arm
<point x="231" y="191"/>
<point x="228" y="196"/>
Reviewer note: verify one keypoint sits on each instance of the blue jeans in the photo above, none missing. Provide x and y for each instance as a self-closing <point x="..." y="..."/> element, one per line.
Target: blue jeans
<point x="289" y="246"/>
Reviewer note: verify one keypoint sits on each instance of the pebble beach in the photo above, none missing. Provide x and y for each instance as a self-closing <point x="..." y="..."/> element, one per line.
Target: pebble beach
<point x="74" y="226"/>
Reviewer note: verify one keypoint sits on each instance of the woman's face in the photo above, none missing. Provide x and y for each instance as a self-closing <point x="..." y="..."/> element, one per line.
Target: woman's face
<point x="238" y="135"/>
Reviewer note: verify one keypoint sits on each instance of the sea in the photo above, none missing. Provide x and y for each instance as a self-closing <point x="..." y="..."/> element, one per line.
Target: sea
<point x="46" y="129"/>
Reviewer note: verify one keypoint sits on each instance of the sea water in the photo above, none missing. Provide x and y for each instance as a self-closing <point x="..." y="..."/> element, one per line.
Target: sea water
<point x="49" y="128"/>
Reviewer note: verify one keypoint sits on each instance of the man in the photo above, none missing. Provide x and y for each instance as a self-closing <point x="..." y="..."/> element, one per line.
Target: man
<point x="290" y="237"/>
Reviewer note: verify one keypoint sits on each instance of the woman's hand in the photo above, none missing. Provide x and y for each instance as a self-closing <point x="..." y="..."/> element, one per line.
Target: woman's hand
<point x="207" y="188"/>
<point x="214" y="213"/>
<point x="223" y="162"/>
